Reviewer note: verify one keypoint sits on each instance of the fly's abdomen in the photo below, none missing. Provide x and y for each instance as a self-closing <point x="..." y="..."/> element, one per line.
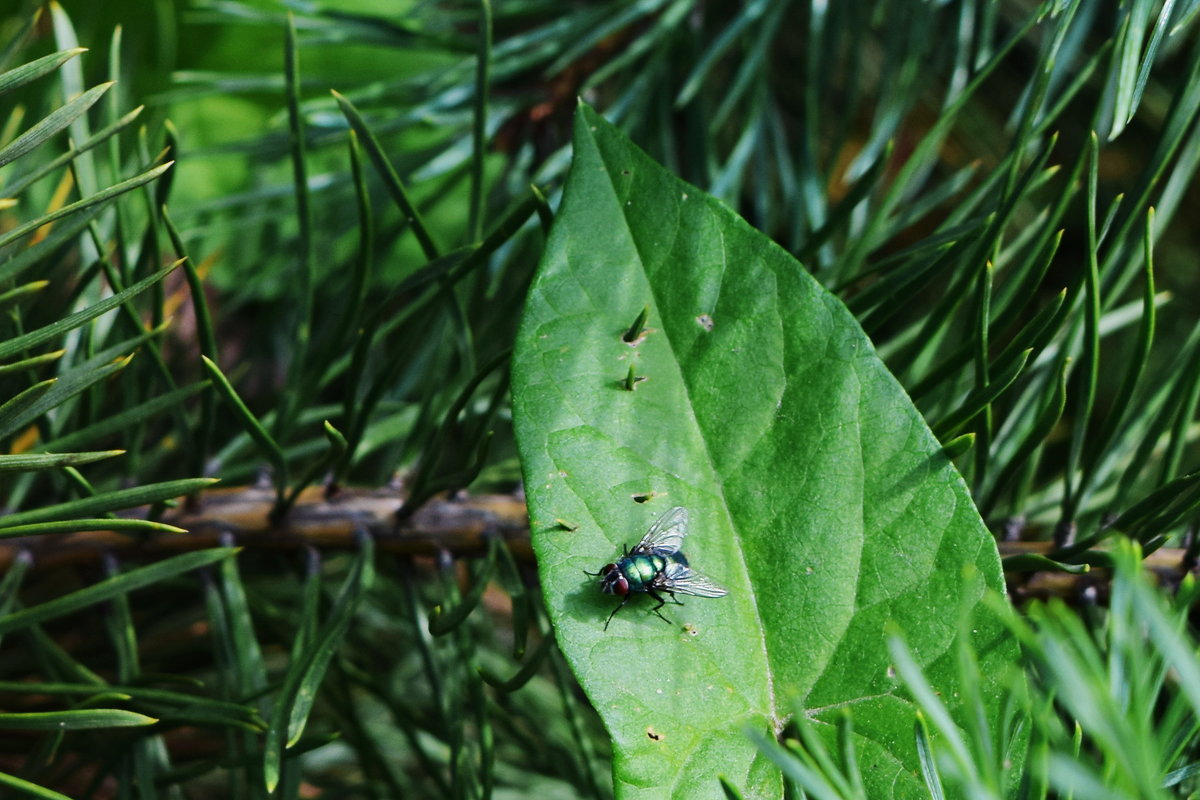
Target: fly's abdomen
<point x="640" y="570"/>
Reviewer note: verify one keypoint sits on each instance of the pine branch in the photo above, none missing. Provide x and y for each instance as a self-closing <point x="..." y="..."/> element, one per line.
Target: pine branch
<point x="460" y="527"/>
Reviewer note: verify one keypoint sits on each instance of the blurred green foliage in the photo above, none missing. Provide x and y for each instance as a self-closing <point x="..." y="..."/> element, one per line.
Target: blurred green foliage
<point x="364" y="291"/>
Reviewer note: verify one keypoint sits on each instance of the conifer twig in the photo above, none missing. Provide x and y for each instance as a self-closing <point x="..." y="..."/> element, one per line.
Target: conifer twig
<point x="459" y="525"/>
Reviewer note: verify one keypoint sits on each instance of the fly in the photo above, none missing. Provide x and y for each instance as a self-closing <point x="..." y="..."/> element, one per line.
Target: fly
<point x="656" y="564"/>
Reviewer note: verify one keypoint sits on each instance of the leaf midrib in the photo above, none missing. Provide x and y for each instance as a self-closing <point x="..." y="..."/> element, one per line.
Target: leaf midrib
<point x="772" y="711"/>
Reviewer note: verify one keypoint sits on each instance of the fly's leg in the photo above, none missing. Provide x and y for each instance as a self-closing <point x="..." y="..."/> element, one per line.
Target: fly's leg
<point x="624" y="600"/>
<point x="661" y="603"/>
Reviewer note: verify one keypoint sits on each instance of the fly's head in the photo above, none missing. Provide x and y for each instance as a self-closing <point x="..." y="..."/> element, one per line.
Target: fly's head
<point x="613" y="581"/>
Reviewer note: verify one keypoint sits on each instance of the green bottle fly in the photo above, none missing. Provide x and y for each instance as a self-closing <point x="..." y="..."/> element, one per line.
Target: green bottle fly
<point x="657" y="564"/>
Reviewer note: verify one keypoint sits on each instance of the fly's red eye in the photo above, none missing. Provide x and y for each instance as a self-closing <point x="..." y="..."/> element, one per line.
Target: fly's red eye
<point x="621" y="586"/>
<point x="607" y="568"/>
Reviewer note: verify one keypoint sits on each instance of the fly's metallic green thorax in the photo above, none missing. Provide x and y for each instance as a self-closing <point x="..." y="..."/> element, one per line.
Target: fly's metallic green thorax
<point x="656" y="565"/>
<point x="641" y="570"/>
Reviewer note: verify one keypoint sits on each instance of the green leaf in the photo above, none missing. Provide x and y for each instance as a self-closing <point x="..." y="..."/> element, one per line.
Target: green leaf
<point x="12" y="580"/>
<point x="112" y="587"/>
<point x="250" y="668"/>
<point x="76" y="379"/>
<point x="19" y="76"/>
<point x="31" y="789"/>
<point x="309" y="665"/>
<point x="127" y="418"/>
<point x="45" y="168"/>
<point x="52" y="124"/>
<point x="58" y="391"/>
<point x="817" y="494"/>
<point x="33" y="287"/>
<point x="171" y="704"/>
<point x="109" y="501"/>
<point x="1036" y="562"/>
<point x="80" y="719"/>
<point x="17" y="407"/>
<point x="256" y="429"/>
<point x="18" y="343"/>
<point x="31" y="363"/>
<point x="99" y="198"/>
<point x="100" y="524"/>
<point x="38" y="254"/>
<point x="391" y="180"/>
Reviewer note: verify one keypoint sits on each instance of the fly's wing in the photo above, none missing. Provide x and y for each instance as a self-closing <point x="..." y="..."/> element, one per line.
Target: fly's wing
<point x="665" y="536"/>
<point x="682" y="579"/>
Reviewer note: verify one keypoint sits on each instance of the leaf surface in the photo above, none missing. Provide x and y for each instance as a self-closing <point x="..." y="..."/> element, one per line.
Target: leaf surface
<point x="817" y="494"/>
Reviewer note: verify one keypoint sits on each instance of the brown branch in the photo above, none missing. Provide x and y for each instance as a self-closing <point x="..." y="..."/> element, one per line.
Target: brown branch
<point x="460" y="526"/>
